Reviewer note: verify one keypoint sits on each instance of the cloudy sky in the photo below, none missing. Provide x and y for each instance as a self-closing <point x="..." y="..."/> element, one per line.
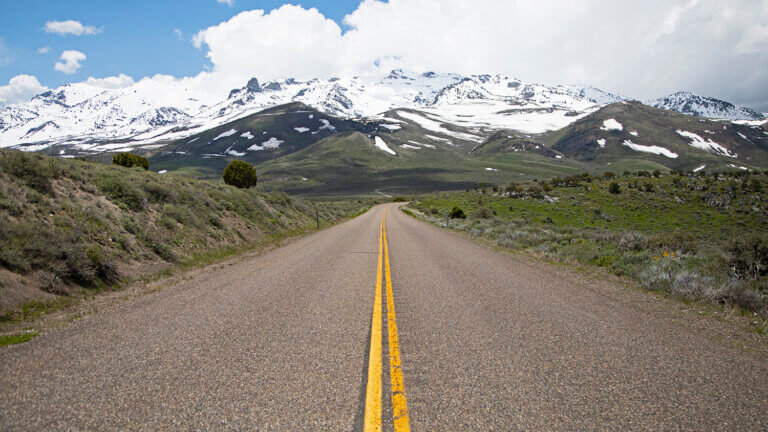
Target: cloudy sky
<point x="641" y="49"/>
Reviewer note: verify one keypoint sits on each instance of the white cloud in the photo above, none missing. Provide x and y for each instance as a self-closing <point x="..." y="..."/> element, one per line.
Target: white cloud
<point x="641" y="49"/>
<point x="227" y="2"/>
<point x="71" y="61"/>
<point x="256" y="44"/>
<point x="44" y="50"/>
<point x="669" y="25"/>
<point x="178" y="33"/>
<point x="70" y="27"/>
<point x="19" y="89"/>
<point x="113" y="82"/>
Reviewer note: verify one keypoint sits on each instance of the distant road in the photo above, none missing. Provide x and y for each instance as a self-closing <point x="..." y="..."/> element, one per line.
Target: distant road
<point x="484" y="341"/>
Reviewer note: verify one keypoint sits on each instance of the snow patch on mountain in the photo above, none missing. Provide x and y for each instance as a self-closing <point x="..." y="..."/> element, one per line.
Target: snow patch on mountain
<point x="707" y="145"/>
<point x="381" y="145"/>
<point x="436" y="126"/>
<point x="231" y="152"/>
<point x="444" y="140"/>
<point x="650" y="149"/>
<point x="422" y="144"/>
<point x="611" y="125"/>
<point x="226" y="134"/>
<point x="268" y="144"/>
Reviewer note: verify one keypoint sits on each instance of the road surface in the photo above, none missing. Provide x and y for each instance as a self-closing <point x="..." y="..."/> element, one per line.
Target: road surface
<point x="484" y="341"/>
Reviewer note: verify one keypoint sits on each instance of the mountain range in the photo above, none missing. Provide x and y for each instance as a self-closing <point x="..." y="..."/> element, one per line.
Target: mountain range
<point x="405" y="130"/>
<point x="93" y="119"/>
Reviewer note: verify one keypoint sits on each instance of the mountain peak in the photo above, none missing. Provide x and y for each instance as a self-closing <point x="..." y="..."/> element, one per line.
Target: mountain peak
<point x="702" y="106"/>
<point x="253" y="86"/>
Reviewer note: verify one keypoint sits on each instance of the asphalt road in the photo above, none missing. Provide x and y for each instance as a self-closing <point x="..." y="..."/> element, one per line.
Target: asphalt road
<point x="281" y="341"/>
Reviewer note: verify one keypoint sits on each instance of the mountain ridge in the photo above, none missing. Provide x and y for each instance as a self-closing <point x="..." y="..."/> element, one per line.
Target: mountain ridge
<point x="150" y="113"/>
<point x="707" y="107"/>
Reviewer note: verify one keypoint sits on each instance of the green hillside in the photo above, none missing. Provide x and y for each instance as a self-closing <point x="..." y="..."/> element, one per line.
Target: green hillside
<point x="69" y="225"/>
<point x="738" y="145"/>
<point x="256" y="138"/>
<point x="700" y="237"/>
<point x="300" y="150"/>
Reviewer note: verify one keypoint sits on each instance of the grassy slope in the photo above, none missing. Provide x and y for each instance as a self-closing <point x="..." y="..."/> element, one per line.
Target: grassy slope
<point x="697" y="219"/>
<point x="351" y="164"/>
<point x="336" y="165"/>
<point x="191" y="155"/>
<point x="67" y="226"/>
<point x="657" y="127"/>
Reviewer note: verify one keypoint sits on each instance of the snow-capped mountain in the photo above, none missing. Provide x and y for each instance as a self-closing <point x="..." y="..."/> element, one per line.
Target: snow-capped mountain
<point x="152" y="112"/>
<point x="701" y="106"/>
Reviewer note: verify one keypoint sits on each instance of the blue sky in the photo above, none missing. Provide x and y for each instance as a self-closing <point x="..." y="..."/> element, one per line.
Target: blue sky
<point x="137" y="37"/>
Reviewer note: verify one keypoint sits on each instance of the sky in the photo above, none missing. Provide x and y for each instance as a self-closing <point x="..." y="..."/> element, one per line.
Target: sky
<point x="641" y="50"/>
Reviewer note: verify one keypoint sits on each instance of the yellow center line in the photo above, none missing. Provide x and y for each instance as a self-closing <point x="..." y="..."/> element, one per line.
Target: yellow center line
<point x="399" y="404"/>
<point x="372" y="421"/>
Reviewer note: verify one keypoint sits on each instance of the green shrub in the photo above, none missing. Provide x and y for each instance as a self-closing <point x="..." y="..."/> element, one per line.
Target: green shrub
<point x="240" y="174"/>
<point x="34" y="170"/>
<point x="178" y="213"/>
<point x="215" y="221"/>
<point x="482" y="213"/>
<point x="753" y="185"/>
<point x="457" y="213"/>
<point x="129" y="160"/>
<point x="167" y="222"/>
<point x="278" y="198"/>
<point x="163" y="251"/>
<point x="534" y="191"/>
<point x="614" y="188"/>
<point x="749" y="256"/>
<point x="158" y="192"/>
<point x="121" y="191"/>
<point x="673" y="241"/>
<point x="58" y="254"/>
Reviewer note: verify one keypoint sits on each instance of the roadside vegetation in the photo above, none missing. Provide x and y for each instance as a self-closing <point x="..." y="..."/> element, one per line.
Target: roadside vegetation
<point x="696" y="236"/>
<point x="239" y="174"/>
<point x="70" y="228"/>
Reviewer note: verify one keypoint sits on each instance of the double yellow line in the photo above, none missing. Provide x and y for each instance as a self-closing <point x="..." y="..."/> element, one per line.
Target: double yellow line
<point x="374" y="388"/>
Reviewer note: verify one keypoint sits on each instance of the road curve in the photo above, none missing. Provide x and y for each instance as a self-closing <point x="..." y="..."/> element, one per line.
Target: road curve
<point x="280" y="342"/>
